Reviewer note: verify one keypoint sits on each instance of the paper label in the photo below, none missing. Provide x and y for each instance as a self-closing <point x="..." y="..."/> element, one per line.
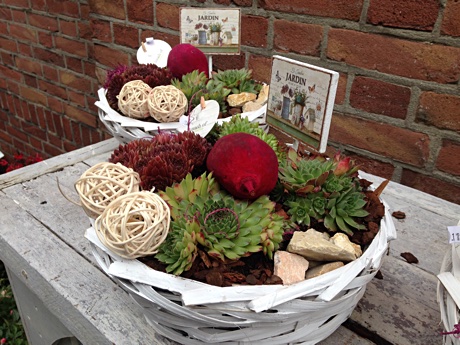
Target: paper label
<point x="454" y="234"/>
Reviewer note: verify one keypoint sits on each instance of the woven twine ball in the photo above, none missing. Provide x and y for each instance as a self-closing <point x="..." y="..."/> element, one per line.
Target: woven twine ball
<point x="134" y="225"/>
<point x="166" y="103"/>
<point x="103" y="183"/>
<point x="132" y="99"/>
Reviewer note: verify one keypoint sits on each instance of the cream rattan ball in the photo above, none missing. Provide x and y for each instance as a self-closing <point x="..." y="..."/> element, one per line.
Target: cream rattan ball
<point x="134" y="225"/>
<point x="166" y="103"/>
<point x="132" y="99"/>
<point x="103" y="183"/>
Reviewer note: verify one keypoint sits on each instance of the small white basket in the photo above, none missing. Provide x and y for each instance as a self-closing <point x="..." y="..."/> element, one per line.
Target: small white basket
<point x="126" y="129"/>
<point x="191" y="312"/>
<point x="448" y="293"/>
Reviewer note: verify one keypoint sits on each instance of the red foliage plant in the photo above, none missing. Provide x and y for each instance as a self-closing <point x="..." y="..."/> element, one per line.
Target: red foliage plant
<point x="19" y="161"/>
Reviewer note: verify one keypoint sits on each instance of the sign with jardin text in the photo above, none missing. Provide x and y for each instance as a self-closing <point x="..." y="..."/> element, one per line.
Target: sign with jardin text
<point x="301" y="100"/>
<point x="212" y="30"/>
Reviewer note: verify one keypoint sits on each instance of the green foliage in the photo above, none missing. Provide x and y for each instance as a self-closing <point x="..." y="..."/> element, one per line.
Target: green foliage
<point x="237" y="80"/>
<point x="10" y="323"/>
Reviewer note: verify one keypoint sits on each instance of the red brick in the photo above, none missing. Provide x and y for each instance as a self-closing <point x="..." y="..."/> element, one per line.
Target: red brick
<point x="439" y="110"/>
<point x="297" y="38"/>
<point x="140" y="11"/>
<point x="450" y="23"/>
<point x="73" y="80"/>
<point x="74" y="64"/>
<point x="243" y="3"/>
<point x="173" y="40"/>
<point x="410" y="14"/>
<point x="89" y="69"/>
<point x="52" y="89"/>
<point x="5" y="14"/>
<point x="63" y="7"/>
<point x="42" y="22"/>
<point x="224" y="62"/>
<point x="56" y="104"/>
<point x="17" y="134"/>
<point x="17" y="3"/>
<point x="84" y="30"/>
<point x="54" y="140"/>
<point x="343" y="9"/>
<point x="449" y="158"/>
<point x="45" y="39"/>
<point x="79" y="115"/>
<point x="22" y="32"/>
<point x="9" y="73"/>
<point x="77" y="98"/>
<point x="57" y="123"/>
<point x="49" y="56"/>
<point x="167" y="16"/>
<point x="33" y="95"/>
<point x="39" y="5"/>
<point x="9" y="45"/>
<point x="378" y="97"/>
<point x="373" y="166"/>
<point x="51" y="150"/>
<point x="30" y="80"/>
<point x="126" y="36"/>
<point x="395" y="56"/>
<point x="431" y="185"/>
<point x="341" y="89"/>
<point x="85" y="10"/>
<point x="261" y="68"/>
<point x="110" y="8"/>
<point x="101" y="30"/>
<point x="68" y="28"/>
<point x="36" y="132"/>
<point x="254" y="31"/>
<point x="28" y="65"/>
<point x="50" y="73"/>
<point x="19" y="16"/>
<point x="110" y="57"/>
<point x="400" y="144"/>
<point x="69" y="146"/>
<point x="71" y="46"/>
<point x="223" y="2"/>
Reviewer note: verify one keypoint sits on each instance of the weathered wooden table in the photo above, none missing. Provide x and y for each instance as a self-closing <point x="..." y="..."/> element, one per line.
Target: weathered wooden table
<point x="62" y="293"/>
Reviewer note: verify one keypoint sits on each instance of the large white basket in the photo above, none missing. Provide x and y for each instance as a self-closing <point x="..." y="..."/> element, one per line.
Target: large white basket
<point x="449" y="293"/>
<point x="126" y="129"/>
<point x="191" y="312"/>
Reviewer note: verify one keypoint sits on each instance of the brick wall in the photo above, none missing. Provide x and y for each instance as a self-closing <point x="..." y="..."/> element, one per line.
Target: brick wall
<point x="397" y="109"/>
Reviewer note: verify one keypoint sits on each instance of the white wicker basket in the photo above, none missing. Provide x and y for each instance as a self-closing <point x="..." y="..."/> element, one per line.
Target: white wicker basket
<point x="191" y="312"/>
<point x="126" y="129"/>
<point x="449" y="293"/>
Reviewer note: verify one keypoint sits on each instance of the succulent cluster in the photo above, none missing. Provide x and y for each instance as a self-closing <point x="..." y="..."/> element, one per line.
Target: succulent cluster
<point x="163" y="160"/>
<point x="224" y="227"/>
<point x="223" y="83"/>
<point x="326" y="190"/>
<point x="150" y="74"/>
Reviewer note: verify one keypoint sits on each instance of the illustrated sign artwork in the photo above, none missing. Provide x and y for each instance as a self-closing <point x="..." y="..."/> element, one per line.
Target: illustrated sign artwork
<point x="213" y="31"/>
<point x="301" y="100"/>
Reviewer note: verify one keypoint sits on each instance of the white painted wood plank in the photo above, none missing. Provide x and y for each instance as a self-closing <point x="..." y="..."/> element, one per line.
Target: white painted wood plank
<point x="402" y="307"/>
<point x="56" y="163"/>
<point x="86" y="301"/>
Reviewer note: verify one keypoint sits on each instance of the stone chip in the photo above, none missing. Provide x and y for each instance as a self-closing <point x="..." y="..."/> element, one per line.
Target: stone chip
<point x="290" y="267"/>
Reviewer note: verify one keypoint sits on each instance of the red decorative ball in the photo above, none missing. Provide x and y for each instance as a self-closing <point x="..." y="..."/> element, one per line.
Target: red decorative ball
<point x="185" y="58"/>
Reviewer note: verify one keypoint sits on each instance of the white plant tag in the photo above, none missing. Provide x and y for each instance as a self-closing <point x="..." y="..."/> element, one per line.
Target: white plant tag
<point x="153" y="51"/>
<point x="454" y="234"/>
<point x="201" y="120"/>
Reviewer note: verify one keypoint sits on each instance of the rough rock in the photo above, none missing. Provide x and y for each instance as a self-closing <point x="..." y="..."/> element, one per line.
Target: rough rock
<point x="290" y="267"/>
<point x="343" y="241"/>
<point x="262" y="98"/>
<point x="322" y="269"/>
<point x="238" y="99"/>
<point x="251" y="106"/>
<point x="313" y="245"/>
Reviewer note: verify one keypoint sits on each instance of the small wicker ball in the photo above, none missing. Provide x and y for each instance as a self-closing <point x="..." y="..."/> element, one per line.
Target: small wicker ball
<point x="134" y="225"/>
<point x="166" y="103"/>
<point x="132" y="99"/>
<point x="103" y="183"/>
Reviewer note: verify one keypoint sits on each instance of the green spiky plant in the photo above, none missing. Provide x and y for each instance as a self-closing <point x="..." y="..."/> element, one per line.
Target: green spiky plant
<point x="326" y="190"/>
<point x="239" y="124"/>
<point x="237" y="80"/>
<point x="226" y="228"/>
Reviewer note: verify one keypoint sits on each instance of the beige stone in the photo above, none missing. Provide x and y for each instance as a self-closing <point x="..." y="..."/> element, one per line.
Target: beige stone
<point x="290" y="267"/>
<point x="262" y="98"/>
<point x="313" y="245"/>
<point x="251" y="106"/>
<point x="238" y="99"/>
<point x="322" y="269"/>
<point x="343" y="241"/>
